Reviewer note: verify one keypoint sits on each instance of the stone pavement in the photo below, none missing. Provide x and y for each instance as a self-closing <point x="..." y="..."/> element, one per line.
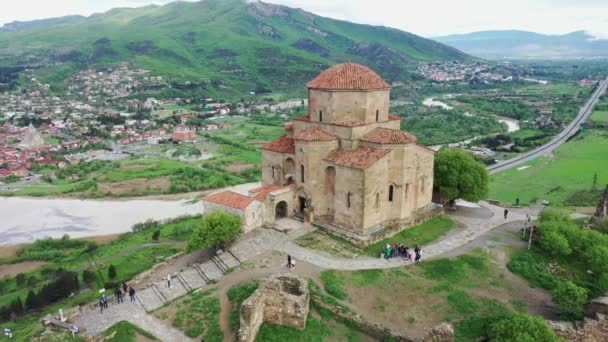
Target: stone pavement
<point x="97" y="323"/>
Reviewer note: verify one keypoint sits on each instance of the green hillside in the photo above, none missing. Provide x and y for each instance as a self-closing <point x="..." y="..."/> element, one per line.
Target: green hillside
<point x="221" y="46"/>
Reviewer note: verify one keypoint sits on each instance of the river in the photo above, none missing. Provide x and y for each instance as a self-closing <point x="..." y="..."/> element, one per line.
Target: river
<point x="27" y="219"/>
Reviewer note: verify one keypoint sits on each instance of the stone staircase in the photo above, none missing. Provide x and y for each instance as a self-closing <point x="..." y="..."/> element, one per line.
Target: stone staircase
<point x="158" y="294"/>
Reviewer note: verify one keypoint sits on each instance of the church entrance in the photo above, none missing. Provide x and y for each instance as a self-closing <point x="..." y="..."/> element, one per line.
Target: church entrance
<point x="281" y="210"/>
<point x="302" y="204"/>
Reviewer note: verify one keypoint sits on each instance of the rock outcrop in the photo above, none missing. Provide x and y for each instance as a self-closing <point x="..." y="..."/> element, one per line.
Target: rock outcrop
<point x="444" y="332"/>
<point x="282" y="299"/>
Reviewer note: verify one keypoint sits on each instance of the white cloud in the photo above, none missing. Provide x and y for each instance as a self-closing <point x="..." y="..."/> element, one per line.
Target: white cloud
<point x="427" y="17"/>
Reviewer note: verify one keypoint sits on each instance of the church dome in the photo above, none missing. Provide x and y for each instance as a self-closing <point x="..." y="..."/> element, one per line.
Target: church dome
<point x="348" y="76"/>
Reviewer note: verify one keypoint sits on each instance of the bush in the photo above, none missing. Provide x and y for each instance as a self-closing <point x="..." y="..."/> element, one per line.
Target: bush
<point x="571" y="299"/>
<point x="156" y="235"/>
<point x="112" y="272"/>
<point x="88" y="277"/>
<point x="142" y="226"/>
<point x="522" y="328"/>
<point x="555" y="243"/>
<point x="20" y="279"/>
<point x="216" y="229"/>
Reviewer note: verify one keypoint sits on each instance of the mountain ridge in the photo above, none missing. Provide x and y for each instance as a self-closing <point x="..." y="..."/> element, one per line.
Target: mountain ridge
<point x="499" y="44"/>
<point x="231" y="45"/>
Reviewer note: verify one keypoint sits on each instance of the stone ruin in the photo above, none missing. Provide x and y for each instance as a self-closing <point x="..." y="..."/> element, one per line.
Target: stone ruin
<point x="281" y="299"/>
<point x="593" y="328"/>
<point x="601" y="213"/>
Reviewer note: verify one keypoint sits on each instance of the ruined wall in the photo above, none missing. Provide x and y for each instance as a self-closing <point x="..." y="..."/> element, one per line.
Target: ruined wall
<point x="282" y="299"/>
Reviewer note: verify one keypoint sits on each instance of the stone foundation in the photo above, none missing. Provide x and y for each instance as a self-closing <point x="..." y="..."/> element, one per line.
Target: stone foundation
<point x="282" y="299"/>
<point x="588" y="330"/>
<point x="383" y="231"/>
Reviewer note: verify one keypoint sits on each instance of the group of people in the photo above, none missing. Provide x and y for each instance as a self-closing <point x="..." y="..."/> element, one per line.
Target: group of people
<point x="119" y="296"/>
<point x="401" y="250"/>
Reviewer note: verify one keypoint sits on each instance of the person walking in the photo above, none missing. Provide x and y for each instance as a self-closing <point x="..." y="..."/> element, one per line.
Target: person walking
<point x="418" y="252"/>
<point x="293" y="264"/>
<point x="168" y="280"/>
<point x="288" y="260"/>
<point x="506" y="213"/>
<point x="101" y="304"/>
<point x="118" y="295"/>
<point x="132" y="294"/>
<point x="105" y="301"/>
<point x="124" y="287"/>
<point x="388" y="251"/>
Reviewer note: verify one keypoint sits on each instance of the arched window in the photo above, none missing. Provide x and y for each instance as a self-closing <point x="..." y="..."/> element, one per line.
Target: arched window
<point x="273" y="172"/>
<point x="422" y="184"/>
<point x="348" y="200"/>
<point x="377" y="115"/>
<point x="377" y="200"/>
<point x="391" y="189"/>
<point x="321" y="115"/>
<point x="407" y="189"/>
<point x="302" y="173"/>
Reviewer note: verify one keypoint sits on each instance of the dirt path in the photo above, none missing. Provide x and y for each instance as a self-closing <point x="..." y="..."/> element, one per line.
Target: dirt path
<point x="22" y="267"/>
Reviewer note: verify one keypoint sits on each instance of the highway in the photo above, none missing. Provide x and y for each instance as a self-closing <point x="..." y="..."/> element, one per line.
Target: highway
<point x="562" y="137"/>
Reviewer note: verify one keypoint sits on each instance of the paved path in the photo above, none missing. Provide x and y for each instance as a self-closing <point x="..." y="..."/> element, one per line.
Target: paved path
<point x="475" y="228"/>
<point x="96" y="323"/>
<point x="562" y="137"/>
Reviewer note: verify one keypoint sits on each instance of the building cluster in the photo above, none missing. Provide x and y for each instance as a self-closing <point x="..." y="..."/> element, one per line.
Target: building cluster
<point x="95" y="86"/>
<point x="477" y="72"/>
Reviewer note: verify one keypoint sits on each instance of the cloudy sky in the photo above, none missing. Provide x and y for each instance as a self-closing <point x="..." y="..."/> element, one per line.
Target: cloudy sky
<point x="424" y="17"/>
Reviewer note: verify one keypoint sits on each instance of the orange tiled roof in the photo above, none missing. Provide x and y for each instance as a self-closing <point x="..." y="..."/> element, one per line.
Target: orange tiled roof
<point x="388" y="136"/>
<point x="263" y="191"/>
<point x="361" y="158"/>
<point x="350" y="123"/>
<point x="229" y="199"/>
<point x="348" y="76"/>
<point x="314" y="134"/>
<point x="283" y="144"/>
<point x="393" y="117"/>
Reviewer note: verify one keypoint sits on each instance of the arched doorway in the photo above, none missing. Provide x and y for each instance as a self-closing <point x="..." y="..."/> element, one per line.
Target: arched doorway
<point x="281" y="210"/>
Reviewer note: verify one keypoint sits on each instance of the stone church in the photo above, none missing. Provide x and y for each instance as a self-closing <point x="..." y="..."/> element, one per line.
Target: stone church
<point x="346" y="166"/>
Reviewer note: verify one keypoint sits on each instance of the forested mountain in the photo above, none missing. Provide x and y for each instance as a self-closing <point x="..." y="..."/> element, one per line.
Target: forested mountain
<point x="228" y="46"/>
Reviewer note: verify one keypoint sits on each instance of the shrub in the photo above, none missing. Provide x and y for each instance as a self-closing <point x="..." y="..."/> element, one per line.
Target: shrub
<point x="156" y="235"/>
<point x="88" y="277"/>
<point x="112" y="272"/>
<point x="20" y="279"/>
<point x="571" y="299"/>
<point x="555" y="243"/>
<point x="521" y="328"/>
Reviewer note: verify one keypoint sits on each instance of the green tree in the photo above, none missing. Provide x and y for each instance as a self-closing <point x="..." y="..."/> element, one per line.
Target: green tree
<point x="555" y="243"/>
<point x="521" y="328"/>
<point x="459" y="175"/>
<point x="216" y="229"/>
<point x="156" y="235"/>
<point x="32" y="301"/>
<point x="112" y="271"/>
<point x="597" y="256"/>
<point x="571" y="299"/>
<point x="20" y="279"/>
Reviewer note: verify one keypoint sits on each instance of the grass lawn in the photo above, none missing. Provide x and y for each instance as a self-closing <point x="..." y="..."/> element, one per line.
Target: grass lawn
<point x="196" y="314"/>
<point x="600" y="116"/>
<point x="469" y="291"/>
<point x="124" y="331"/>
<point x="554" y="89"/>
<point x="556" y="179"/>
<point x="327" y="242"/>
<point x="421" y="234"/>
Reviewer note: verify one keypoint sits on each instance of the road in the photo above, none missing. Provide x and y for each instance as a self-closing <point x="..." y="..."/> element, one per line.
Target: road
<point x="562" y="137"/>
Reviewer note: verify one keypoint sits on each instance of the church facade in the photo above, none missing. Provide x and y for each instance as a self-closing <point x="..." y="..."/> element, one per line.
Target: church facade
<point x="347" y="166"/>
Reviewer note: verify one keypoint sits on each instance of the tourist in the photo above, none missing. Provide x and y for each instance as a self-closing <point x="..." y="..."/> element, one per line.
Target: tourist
<point x="405" y="252"/>
<point x="388" y="251"/>
<point x="101" y="304"/>
<point x="418" y="252"/>
<point x="124" y="287"/>
<point x="118" y="295"/>
<point x="288" y="261"/>
<point x="293" y="264"/>
<point x="168" y="280"/>
<point x="132" y="294"/>
<point x="506" y="213"/>
<point x="104" y="298"/>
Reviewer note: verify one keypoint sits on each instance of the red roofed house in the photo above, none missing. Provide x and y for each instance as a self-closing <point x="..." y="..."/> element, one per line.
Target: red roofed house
<point x="182" y="132"/>
<point x="249" y="209"/>
<point x="349" y="167"/>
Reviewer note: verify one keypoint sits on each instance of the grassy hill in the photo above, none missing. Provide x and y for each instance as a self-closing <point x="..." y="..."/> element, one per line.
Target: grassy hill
<point x="221" y="46"/>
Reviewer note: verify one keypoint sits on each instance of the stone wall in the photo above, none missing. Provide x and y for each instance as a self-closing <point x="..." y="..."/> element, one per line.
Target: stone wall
<point x="282" y="299"/>
<point x="588" y="330"/>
